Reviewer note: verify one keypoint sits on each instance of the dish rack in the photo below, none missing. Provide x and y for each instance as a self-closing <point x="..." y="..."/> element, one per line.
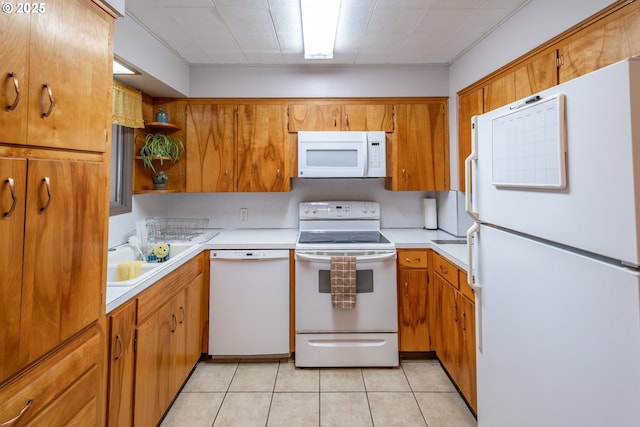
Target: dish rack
<point x="175" y="229"/>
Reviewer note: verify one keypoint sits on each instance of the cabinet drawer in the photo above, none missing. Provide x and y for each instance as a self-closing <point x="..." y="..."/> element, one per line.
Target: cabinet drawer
<point x="465" y="289"/>
<point x="445" y="269"/>
<point x="412" y="259"/>
<point x="62" y="385"/>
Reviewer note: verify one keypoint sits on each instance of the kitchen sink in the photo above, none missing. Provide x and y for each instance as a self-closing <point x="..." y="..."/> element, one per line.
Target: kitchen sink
<point x="125" y="253"/>
<point x="450" y="241"/>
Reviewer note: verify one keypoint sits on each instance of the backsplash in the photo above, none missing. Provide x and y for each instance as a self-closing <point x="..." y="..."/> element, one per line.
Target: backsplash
<point x="399" y="209"/>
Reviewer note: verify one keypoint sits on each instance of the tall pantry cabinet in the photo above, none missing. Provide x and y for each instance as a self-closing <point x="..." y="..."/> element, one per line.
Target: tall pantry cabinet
<point x="55" y="121"/>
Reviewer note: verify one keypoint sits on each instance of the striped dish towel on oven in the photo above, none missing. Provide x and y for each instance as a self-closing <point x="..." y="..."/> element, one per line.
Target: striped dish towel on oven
<point x="343" y="281"/>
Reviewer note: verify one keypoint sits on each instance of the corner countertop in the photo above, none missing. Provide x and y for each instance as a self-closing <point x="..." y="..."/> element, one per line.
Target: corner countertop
<point x="420" y="238"/>
<point x="278" y="238"/>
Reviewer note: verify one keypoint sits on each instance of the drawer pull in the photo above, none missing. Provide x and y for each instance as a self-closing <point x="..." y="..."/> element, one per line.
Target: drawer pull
<point x="412" y="260"/>
<point x="14" y="420"/>
<point x="444" y="269"/>
<point x="14" y="200"/>
<point x="13" y="106"/>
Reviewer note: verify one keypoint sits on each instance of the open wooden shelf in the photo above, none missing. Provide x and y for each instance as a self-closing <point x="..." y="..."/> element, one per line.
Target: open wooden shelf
<point x="162" y="126"/>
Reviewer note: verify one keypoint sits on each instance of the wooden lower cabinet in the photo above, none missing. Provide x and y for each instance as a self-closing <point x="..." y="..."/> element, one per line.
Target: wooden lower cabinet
<point x="413" y="280"/>
<point x="121" y="363"/>
<point x="61" y="389"/>
<point x="453" y="331"/>
<point x="158" y="340"/>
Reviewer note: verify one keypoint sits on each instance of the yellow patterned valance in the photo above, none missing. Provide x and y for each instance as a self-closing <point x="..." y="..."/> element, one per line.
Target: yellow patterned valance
<point x="127" y="106"/>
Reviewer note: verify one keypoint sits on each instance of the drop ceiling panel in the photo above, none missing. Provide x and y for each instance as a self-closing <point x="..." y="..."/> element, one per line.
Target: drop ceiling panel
<point x="369" y="31"/>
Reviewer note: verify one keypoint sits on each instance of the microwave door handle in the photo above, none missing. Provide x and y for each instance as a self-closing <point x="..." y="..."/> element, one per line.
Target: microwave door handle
<point x="365" y="161"/>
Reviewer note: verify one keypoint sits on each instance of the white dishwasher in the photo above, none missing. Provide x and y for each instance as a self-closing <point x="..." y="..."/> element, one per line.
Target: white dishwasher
<point x="249" y="303"/>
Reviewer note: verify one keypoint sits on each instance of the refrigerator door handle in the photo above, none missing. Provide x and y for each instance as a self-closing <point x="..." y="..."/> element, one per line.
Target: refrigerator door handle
<point x="475" y="285"/>
<point x="468" y="205"/>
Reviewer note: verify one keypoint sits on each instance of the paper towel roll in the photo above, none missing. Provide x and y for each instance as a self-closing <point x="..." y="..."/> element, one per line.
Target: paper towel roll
<point x="430" y="214"/>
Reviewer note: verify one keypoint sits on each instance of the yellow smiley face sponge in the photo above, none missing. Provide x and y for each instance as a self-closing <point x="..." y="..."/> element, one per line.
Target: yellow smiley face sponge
<point x="161" y="250"/>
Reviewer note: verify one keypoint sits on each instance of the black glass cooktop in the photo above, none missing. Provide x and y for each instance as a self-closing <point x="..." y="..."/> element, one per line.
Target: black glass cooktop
<point x="341" y="237"/>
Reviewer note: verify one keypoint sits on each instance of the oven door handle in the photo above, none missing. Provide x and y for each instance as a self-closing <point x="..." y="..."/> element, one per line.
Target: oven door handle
<point x="363" y="258"/>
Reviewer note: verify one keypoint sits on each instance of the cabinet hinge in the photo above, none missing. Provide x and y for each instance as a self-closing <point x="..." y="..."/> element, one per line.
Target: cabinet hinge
<point x="135" y="344"/>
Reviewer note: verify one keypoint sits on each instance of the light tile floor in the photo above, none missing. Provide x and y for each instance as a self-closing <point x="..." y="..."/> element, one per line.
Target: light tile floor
<point x="418" y="393"/>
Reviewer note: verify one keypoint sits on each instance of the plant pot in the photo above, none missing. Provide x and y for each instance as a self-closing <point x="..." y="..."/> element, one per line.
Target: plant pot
<point x="159" y="182"/>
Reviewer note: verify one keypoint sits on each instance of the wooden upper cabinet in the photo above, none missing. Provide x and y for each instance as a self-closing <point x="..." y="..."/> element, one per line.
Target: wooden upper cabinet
<point x="500" y="91"/>
<point x="14" y="75"/>
<point x="536" y="75"/>
<point x="262" y="143"/>
<point x="469" y="104"/>
<point x="365" y="117"/>
<point x="346" y="117"/>
<point x="70" y="78"/>
<point x="210" y="149"/>
<point x="314" y="117"/>
<point x="611" y="39"/>
<point x="418" y="158"/>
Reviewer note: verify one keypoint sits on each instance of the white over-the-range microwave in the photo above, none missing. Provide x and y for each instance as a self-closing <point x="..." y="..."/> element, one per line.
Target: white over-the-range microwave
<point x="336" y="154"/>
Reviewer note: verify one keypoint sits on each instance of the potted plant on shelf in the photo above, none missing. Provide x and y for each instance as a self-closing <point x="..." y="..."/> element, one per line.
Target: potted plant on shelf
<point x="159" y="148"/>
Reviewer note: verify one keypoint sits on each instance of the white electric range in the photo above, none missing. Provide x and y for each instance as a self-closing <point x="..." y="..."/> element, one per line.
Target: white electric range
<point x="362" y="336"/>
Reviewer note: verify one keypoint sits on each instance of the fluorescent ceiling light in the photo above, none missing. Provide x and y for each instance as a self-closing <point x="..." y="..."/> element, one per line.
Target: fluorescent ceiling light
<point x="319" y="24"/>
<point x="119" y="68"/>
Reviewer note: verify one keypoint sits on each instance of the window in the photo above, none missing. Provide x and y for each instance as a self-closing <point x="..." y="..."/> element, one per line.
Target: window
<point x="121" y="170"/>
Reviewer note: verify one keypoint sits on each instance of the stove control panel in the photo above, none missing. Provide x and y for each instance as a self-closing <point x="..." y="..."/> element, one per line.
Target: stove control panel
<point x="339" y="210"/>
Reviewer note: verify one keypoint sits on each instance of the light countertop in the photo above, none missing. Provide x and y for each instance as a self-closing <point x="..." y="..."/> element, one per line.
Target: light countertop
<point x="407" y="238"/>
<point x="404" y="238"/>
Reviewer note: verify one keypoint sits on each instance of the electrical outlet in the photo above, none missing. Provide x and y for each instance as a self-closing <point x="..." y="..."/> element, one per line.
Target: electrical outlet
<point x="244" y="214"/>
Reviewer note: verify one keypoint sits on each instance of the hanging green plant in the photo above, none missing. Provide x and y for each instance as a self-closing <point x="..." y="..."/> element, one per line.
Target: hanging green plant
<point x="161" y="148"/>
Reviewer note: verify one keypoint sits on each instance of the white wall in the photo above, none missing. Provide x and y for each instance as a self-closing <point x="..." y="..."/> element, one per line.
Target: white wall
<point x="324" y="81"/>
<point x="534" y="24"/>
<point x="164" y="73"/>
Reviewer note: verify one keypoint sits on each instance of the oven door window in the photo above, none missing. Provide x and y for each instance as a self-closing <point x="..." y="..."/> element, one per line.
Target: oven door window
<point x="364" y="281"/>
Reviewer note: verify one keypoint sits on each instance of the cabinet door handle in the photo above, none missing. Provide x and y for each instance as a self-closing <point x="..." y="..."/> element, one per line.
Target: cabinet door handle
<point x="335" y="121"/>
<point x="464" y="321"/>
<point x="174" y="323"/>
<point x="443" y="269"/>
<point x="50" y="95"/>
<point x="13" y="106"/>
<point x="181" y="315"/>
<point x="14" y="199"/>
<point x="226" y="176"/>
<point x="404" y="174"/>
<point x="346" y="119"/>
<point x="47" y="184"/>
<point x="406" y="290"/>
<point x="13" y="421"/>
<point x="119" y="347"/>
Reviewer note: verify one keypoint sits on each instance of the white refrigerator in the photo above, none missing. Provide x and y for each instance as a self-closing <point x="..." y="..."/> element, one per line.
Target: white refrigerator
<point x="555" y="251"/>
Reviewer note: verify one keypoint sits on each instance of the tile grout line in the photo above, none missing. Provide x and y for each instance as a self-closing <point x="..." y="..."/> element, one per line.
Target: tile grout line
<point x="413" y="393"/>
<point x="225" y="394"/>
